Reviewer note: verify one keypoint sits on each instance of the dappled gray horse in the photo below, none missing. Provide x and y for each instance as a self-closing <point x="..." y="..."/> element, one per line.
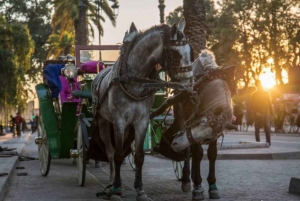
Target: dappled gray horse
<point x="206" y="113"/>
<point x="123" y="104"/>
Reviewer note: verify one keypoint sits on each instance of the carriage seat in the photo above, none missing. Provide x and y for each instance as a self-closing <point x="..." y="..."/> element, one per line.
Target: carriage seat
<point x="91" y="67"/>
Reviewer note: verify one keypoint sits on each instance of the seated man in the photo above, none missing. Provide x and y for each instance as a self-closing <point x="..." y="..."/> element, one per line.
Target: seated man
<point x="59" y="85"/>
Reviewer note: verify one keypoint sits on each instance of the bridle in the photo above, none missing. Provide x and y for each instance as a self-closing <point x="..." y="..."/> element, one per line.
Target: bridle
<point x="170" y="64"/>
<point x="171" y="59"/>
<point x="215" y="121"/>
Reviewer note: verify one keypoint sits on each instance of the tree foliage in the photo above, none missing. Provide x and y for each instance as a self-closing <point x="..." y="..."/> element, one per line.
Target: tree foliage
<point x="249" y="33"/>
<point x="65" y="18"/>
<point x="16" y="47"/>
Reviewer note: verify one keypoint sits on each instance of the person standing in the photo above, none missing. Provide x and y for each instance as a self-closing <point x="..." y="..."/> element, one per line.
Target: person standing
<point x="12" y="125"/>
<point x="261" y="109"/>
<point x="18" y="120"/>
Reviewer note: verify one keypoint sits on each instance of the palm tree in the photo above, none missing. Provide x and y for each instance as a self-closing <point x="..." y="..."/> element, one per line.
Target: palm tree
<point x="194" y="13"/>
<point x="67" y="13"/>
<point x="61" y="44"/>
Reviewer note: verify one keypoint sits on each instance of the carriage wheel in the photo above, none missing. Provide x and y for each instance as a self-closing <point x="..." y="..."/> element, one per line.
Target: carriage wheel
<point x="81" y="160"/>
<point x="294" y="128"/>
<point x="131" y="156"/>
<point x="287" y="124"/>
<point x="244" y="124"/>
<point x="178" y="166"/>
<point x="43" y="148"/>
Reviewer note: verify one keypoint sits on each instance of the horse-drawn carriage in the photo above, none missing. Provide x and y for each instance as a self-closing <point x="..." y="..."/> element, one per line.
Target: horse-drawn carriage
<point x="65" y="118"/>
<point x="122" y="97"/>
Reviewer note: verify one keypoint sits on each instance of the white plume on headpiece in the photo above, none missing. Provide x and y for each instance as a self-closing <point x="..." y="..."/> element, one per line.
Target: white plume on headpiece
<point x="207" y="59"/>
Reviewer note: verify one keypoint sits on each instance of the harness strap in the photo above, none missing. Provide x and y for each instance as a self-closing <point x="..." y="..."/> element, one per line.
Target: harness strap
<point x="190" y="136"/>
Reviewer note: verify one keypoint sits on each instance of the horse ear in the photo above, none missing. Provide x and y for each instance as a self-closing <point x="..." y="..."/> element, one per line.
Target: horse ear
<point x="132" y="28"/>
<point x="174" y="32"/>
<point x="181" y="24"/>
<point x="132" y="33"/>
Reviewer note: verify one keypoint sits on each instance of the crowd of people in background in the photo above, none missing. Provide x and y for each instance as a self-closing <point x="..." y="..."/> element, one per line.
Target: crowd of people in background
<point x="18" y="125"/>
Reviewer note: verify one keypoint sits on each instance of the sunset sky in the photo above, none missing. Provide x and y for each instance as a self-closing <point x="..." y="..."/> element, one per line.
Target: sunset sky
<point x="143" y="13"/>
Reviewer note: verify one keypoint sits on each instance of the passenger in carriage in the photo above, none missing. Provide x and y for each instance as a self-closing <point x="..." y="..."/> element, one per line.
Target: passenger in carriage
<point x="58" y="84"/>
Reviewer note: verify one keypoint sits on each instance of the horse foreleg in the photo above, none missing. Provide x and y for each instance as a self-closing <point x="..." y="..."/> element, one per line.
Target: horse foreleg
<point x="197" y="155"/>
<point x="185" y="180"/>
<point x="119" y="133"/>
<point x="140" y="133"/>
<point x="212" y="157"/>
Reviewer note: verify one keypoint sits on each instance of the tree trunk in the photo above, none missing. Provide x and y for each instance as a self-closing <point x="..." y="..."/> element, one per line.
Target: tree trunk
<point x="80" y="25"/>
<point x="194" y="13"/>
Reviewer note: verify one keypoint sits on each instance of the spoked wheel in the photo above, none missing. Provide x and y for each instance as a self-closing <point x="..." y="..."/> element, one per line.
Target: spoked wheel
<point x="131" y="156"/>
<point x="294" y="127"/>
<point x="178" y="166"/>
<point x="81" y="159"/>
<point x="287" y="123"/>
<point x="43" y="148"/>
<point x="244" y="124"/>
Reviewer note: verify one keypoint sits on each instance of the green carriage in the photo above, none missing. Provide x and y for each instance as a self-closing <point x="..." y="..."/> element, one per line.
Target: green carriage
<point x="65" y="127"/>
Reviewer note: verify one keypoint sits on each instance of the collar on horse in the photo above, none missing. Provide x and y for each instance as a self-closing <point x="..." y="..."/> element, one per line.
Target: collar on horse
<point x="224" y="73"/>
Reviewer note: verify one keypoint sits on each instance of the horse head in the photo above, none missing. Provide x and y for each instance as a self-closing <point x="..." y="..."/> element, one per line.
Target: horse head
<point x="180" y="53"/>
<point x="162" y="44"/>
<point x="212" y="111"/>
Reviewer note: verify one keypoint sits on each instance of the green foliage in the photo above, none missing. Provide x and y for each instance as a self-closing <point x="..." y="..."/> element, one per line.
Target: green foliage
<point x="64" y="19"/>
<point x="247" y="33"/>
<point x="16" y="46"/>
<point x="175" y="16"/>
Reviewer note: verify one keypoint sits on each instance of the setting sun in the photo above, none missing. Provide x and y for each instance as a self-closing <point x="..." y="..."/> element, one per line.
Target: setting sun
<point x="267" y="79"/>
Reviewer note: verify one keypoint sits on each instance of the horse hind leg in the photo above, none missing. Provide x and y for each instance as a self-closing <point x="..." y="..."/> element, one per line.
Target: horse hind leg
<point x="105" y="132"/>
<point x="197" y="155"/>
<point x="185" y="180"/>
<point x="212" y="157"/>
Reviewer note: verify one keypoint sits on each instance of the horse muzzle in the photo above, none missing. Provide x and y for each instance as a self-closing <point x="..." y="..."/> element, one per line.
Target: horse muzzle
<point x="198" y="134"/>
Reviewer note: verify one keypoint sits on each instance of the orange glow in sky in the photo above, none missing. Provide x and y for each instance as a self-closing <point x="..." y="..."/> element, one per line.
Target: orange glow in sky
<point x="268" y="80"/>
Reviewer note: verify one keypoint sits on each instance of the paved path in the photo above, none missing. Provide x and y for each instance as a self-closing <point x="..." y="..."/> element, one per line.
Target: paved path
<point x="254" y="179"/>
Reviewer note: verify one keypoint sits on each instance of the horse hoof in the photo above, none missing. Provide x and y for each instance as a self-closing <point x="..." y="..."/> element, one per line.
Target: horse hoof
<point x="214" y="194"/>
<point x="198" y="194"/>
<point x="115" y="198"/>
<point x="143" y="197"/>
<point x="186" y="187"/>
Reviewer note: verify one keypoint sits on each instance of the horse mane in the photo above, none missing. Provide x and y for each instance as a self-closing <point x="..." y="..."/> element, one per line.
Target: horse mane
<point x="166" y="30"/>
<point x="214" y="93"/>
<point x="204" y="62"/>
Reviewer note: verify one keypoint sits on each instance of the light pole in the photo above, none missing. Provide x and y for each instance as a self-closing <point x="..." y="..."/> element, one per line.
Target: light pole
<point x="161" y="7"/>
